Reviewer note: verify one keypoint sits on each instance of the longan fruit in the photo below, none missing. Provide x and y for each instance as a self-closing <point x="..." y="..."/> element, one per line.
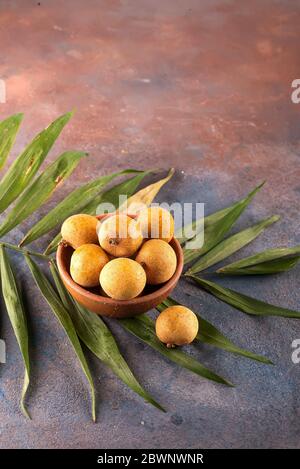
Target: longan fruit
<point x="80" y="229"/>
<point x="122" y="278"/>
<point x="176" y="325"/>
<point x="156" y="223"/>
<point x="158" y="259"/>
<point x="120" y="235"/>
<point x="87" y="261"/>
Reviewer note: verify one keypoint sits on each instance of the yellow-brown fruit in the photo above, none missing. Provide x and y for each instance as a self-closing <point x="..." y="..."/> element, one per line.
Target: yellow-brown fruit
<point x="87" y="261"/>
<point x="156" y="223"/>
<point x="158" y="259"/>
<point x="176" y="325"/>
<point x="120" y="235"/>
<point x="80" y="229"/>
<point x="122" y="279"/>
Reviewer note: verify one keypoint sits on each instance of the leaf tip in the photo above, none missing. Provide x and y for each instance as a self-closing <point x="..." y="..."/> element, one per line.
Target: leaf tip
<point x="25" y="411"/>
<point x="19" y="116"/>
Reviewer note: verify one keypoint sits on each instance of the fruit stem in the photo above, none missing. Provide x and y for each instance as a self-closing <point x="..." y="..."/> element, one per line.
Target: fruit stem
<point x="114" y="241"/>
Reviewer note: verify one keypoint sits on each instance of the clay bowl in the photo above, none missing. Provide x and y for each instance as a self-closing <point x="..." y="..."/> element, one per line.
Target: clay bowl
<point x="105" y="306"/>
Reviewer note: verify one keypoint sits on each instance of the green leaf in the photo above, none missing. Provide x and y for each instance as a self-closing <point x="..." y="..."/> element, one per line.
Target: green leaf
<point x="41" y="189"/>
<point x="126" y="188"/>
<point x="271" y="261"/>
<point x="73" y="203"/>
<point x="111" y="196"/>
<point x="209" y="334"/>
<point x="230" y="245"/>
<point x="143" y="328"/>
<point x="65" y="321"/>
<point x="191" y="230"/>
<point x="145" y="196"/>
<point x="16" y="313"/>
<point x="217" y="225"/>
<point x="8" y="131"/>
<point x="94" y="333"/>
<point x="244" y="303"/>
<point x="26" y="165"/>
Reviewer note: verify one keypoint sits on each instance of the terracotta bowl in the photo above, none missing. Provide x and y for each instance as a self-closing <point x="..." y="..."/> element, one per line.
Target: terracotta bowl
<point x="105" y="306"/>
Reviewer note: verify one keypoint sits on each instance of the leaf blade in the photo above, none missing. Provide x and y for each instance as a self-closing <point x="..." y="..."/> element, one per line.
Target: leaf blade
<point x="209" y="220"/>
<point x="145" y="196"/>
<point x="111" y="196"/>
<point x="95" y="334"/>
<point x="25" y="166"/>
<point x="218" y="224"/>
<point x="41" y="189"/>
<point x="143" y="328"/>
<point x="209" y="334"/>
<point x="230" y="245"/>
<point x="74" y="202"/>
<point x="244" y="303"/>
<point x="8" y="131"/>
<point x="65" y="321"/>
<point x="16" y="313"/>
<point x="270" y="261"/>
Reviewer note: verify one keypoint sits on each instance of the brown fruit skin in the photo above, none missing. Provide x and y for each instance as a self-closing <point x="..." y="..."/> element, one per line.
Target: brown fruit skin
<point x="158" y="259"/>
<point x="87" y="261"/>
<point x="80" y="229"/>
<point x="156" y="223"/>
<point x="177" y="325"/>
<point x="120" y="235"/>
<point x="122" y="279"/>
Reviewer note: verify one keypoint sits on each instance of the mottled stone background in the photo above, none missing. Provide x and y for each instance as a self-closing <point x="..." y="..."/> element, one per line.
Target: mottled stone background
<point x="203" y="86"/>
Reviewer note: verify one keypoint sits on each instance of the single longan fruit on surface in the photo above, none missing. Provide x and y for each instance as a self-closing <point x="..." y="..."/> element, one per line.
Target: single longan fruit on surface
<point x="156" y="222"/>
<point x="177" y="325"/>
<point x="120" y="235"/>
<point x="122" y="279"/>
<point x="158" y="259"/>
<point x="87" y="261"/>
<point x="80" y="229"/>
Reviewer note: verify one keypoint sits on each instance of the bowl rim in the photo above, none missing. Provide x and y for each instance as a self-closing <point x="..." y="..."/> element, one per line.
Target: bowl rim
<point x="64" y="273"/>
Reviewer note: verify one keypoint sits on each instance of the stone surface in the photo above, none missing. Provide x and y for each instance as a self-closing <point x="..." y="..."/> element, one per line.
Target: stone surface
<point x="201" y="86"/>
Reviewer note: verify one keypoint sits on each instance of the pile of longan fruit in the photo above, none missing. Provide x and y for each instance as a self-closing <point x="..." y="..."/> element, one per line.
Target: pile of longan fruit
<point x="121" y="255"/>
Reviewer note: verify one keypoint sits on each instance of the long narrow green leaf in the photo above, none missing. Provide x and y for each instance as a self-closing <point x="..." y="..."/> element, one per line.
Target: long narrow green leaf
<point x="27" y="163"/>
<point x="189" y="231"/>
<point x="16" y="313"/>
<point x="194" y="228"/>
<point x="143" y="328"/>
<point x="244" y="303"/>
<point x="110" y="196"/>
<point x="271" y="261"/>
<point x="41" y="189"/>
<point x="230" y="245"/>
<point x="209" y="334"/>
<point x="8" y="131"/>
<point x="95" y="334"/>
<point x="73" y="203"/>
<point x="64" y="319"/>
<point x="217" y="225"/>
<point x="145" y="196"/>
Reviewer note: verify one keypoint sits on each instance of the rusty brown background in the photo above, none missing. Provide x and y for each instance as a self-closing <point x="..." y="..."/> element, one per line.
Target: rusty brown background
<point x="204" y="86"/>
